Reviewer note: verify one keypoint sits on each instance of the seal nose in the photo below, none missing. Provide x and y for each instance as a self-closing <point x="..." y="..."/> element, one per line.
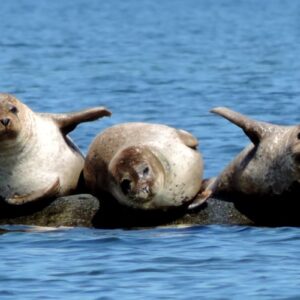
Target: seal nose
<point x="5" y="121"/>
<point x="126" y="186"/>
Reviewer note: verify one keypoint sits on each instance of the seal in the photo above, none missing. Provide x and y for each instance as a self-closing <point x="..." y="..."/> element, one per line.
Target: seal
<point x="267" y="168"/>
<point x="37" y="158"/>
<point x="144" y="166"/>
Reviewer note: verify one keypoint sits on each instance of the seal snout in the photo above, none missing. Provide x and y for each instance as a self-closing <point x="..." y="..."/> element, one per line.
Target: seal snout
<point x="139" y="190"/>
<point x="5" y="121"/>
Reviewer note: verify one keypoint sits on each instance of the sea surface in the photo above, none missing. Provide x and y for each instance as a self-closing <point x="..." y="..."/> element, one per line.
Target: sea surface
<point x="167" y="61"/>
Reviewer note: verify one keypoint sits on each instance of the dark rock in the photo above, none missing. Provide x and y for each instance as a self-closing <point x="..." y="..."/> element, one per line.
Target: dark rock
<point x="214" y="211"/>
<point x="76" y="210"/>
<point x="84" y="210"/>
<point x="281" y="210"/>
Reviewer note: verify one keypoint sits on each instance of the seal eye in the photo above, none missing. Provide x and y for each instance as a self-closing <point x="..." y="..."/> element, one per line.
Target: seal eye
<point x="298" y="136"/>
<point x="126" y="186"/>
<point x="13" y="109"/>
<point x="146" y="171"/>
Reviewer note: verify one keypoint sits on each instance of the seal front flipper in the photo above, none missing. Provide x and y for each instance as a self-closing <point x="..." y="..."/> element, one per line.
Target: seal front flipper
<point x="68" y="121"/>
<point x="205" y="192"/>
<point x="48" y="192"/>
<point x="187" y="138"/>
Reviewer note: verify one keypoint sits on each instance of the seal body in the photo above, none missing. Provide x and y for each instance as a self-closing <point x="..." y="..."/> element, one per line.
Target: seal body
<point x="144" y="166"/>
<point x="269" y="167"/>
<point x="37" y="158"/>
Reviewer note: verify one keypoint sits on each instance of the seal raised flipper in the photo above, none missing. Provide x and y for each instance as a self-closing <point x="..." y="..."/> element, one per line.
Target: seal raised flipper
<point x="48" y="192"/>
<point x="187" y="138"/>
<point x="255" y="130"/>
<point x="68" y="121"/>
<point x="268" y="168"/>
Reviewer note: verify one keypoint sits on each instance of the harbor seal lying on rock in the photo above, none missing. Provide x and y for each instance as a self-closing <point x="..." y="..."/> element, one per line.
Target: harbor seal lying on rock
<point x="37" y="158"/>
<point x="267" y="168"/>
<point x="144" y="166"/>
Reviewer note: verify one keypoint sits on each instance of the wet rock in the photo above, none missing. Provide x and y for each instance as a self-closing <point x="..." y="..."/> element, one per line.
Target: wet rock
<point x="281" y="210"/>
<point x="215" y="211"/>
<point x="76" y="210"/>
<point x="86" y="210"/>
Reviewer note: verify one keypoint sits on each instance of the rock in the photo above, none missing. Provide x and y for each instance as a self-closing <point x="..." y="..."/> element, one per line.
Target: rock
<point x="276" y="211"/>
<point x="86" y="210"/>
<point x="76" y="210"/>
<point x="214" y="211"/>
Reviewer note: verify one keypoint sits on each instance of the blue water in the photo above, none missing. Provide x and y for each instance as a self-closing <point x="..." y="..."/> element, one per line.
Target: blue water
<point x="156" y="61"/>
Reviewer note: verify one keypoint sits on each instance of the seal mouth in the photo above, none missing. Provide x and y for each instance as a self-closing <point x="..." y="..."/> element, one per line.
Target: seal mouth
<point x="8" y="132"/>
<point x="139" y="203"/>
<point x="141" y="195"/>
<point x="136" y="196"/>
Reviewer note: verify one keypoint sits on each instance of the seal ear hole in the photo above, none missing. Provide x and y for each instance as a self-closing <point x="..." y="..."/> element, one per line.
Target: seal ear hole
<point x="146" y="171"/>
<point x="125" y="186"/>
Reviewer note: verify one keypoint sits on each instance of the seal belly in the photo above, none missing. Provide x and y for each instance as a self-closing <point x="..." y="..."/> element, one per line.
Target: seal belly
<point x="58" y="157"/>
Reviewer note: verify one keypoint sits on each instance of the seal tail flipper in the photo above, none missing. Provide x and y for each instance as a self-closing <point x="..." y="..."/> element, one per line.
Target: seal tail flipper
<point x="187" y="138"/>
<point x="205" y="192"/>
<point x="48" y="192"/>
<point x="68" y="121"/>
<point x="253" y="129"/>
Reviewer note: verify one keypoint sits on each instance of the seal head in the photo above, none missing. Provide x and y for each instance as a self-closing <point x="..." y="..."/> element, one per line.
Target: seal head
<point x="138" y="176"/>
<point x="11" y="117"/>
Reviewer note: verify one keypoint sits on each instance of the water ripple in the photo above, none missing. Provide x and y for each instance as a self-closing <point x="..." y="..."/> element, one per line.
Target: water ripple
<point x="164" y="62"/>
